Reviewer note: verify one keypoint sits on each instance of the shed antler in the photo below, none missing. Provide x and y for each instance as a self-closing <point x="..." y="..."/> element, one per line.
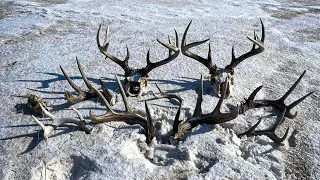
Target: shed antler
<point x="137" y="86"/>
<point x="268" y="132"/>
<point x="218" y="75"/>
<point x="250" y="103"/>
<point x="82" y="94"/>
<point x="215" y="117"/>
<point x="128" y="116"/>
<point x="56" y="122"/>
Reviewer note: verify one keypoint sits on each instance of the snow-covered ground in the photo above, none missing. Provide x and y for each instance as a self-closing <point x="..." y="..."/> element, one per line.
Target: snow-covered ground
<point x="36" y="36"/>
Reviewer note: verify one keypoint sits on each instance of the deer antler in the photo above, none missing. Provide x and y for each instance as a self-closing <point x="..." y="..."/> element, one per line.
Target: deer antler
<point x="82" y="94"/>
<point x="56" y="122"/>
<point x="185" y="51"/>
<point x="250" y="103"/>
<point x="128" y="116"/>
<point x="160" y="95"/>
<point x="268" y="132"/>
<point x="254" y="51"/>
<point x="215" y="117"/>
<point x="235" y="61"/>
<point x="124" y="63"/>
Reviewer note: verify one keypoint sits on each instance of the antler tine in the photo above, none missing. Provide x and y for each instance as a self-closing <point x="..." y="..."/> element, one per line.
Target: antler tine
<point x="251" y="130"/>
<point x="107" y="93"/>
<point x="185" y="50"/>
<point x="45" y="111"/>
<point x="224" y="90"/>
<point x="46" y="131"/>
<point x="298" y="101"/>
<point x="150" y="66"/>
<point x="110" y="111"/>
<point x="123" y="95"/>
<point x="149" y="132"/>
<point x="198" y="109"/>
<point x="68" y="94"/>
<point x="269" y="132"/>
<point x="254" y="51"/>
<point x="170" y="51"/>
<point x="164" y="95"/>
<point x="292" y="88"/>
<point x="88" y="84"/>
<point x="104" y="50"/>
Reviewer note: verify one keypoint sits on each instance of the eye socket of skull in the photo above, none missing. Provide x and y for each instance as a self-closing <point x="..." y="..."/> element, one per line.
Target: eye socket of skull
<point x="134" y="87"/>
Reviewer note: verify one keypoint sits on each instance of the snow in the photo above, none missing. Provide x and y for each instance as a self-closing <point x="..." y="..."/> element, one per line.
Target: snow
<point x="37" y="36"/>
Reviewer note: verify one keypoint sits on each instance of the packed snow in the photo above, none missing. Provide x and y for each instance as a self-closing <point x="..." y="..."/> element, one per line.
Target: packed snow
<point x="36" y="36"/>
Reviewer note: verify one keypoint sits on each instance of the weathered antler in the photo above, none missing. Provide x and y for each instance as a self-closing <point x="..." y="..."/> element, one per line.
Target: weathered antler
<point x="215" y="117"/>
<point x="250" y="103"/>
<point x="56" y="122"/>
<point x="82" y="94"/>
<point x="268" y="132"/>
<point x="128" y="116"/>
<point x="136" y="84"/>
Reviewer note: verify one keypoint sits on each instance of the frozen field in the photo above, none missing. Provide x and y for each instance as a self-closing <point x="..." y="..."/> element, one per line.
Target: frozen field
<point x="36" y="36"/>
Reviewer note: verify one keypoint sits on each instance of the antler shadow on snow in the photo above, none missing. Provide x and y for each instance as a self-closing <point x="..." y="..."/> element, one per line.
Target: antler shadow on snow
<point x="37" y="137"/>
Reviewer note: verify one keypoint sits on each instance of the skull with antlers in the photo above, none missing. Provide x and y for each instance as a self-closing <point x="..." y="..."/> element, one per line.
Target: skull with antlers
<point x="218" y="75"/>
<point x="136" y="79"/>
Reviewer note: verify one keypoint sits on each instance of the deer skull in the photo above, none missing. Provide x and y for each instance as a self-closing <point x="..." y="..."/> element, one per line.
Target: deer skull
<point x="219" y="77"/>
<point x="136" y="79"/>
<point x="136" y="85"/>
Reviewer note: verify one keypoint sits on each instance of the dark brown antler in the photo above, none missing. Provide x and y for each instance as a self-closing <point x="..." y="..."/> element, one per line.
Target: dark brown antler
<point x="250" y="103"/>
<point x="82" y="94"/>
<point x="185" y="51"/>
<point x="128" y="116"/>
<point x="160" y="95"/>
<point x="235" y="61"/>
<point x="254" y="51"/>
<point x="215" y="117"/>
<point x="268" y="132"/>
<point x="150" y="66"/>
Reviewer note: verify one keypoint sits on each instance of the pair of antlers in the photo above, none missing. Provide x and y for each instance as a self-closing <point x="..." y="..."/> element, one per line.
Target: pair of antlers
<point x="257" y="47"/>
<point x="173" y="53"/>
<point x="216" y="117"/>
